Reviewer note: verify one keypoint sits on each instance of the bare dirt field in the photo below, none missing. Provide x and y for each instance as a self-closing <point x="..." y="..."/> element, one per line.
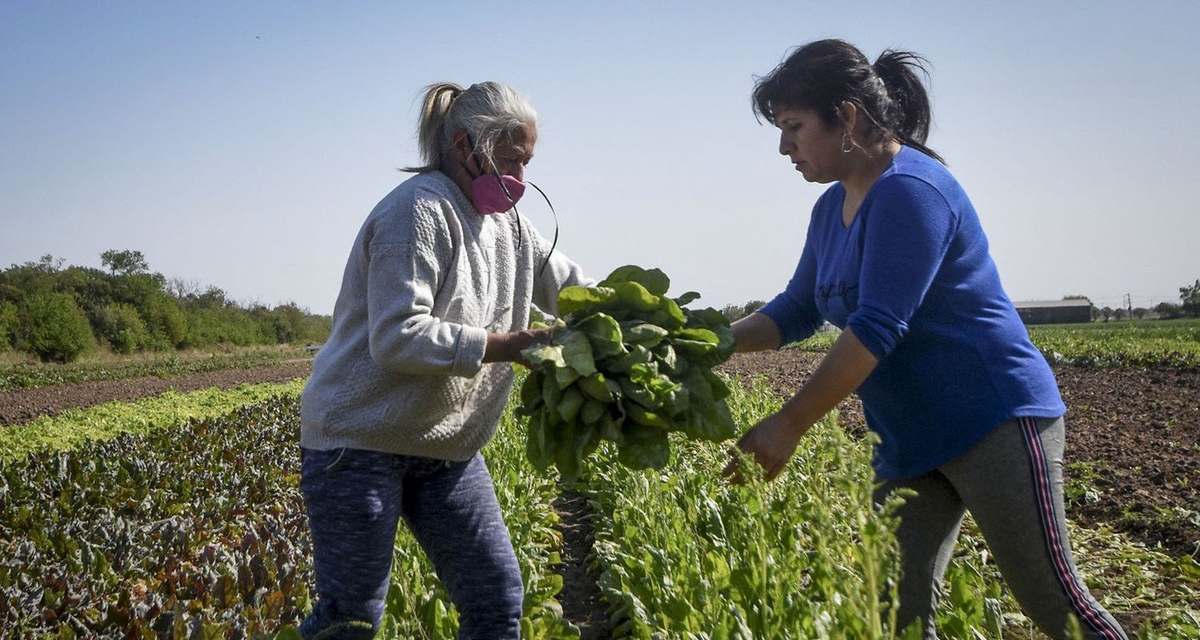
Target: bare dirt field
<point x="24" y="405"/>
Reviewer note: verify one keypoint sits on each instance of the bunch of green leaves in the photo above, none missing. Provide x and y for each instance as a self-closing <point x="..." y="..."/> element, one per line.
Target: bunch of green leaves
<point x="629" y="365"/>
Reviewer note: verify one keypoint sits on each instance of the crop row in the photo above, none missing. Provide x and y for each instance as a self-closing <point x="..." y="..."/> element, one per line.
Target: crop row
<point x="198" y="529"/>
<point x="1172" y="343"/>
<point x="30" y="375"/>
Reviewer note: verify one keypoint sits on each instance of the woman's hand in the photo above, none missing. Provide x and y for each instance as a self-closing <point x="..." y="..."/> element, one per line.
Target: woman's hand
<point x="772" y="443"/>
<point x="507" y="347"/>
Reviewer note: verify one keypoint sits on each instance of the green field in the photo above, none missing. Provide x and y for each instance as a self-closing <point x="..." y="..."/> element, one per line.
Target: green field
<point x="1172" y="343"/>
<point x="166" y="523"/>
<point x="18" y="372"/>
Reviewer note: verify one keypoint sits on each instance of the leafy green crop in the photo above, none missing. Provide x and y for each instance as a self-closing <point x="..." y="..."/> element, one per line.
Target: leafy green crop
<point x="630" y="365"/>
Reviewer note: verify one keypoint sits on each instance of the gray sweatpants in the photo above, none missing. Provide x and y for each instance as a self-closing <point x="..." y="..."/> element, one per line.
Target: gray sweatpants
<point x="1012" y="484"/>
<point x="355" y="499"/>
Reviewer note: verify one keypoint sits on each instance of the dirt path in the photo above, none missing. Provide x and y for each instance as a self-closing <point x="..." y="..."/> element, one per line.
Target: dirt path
<point x="24" y="405"/>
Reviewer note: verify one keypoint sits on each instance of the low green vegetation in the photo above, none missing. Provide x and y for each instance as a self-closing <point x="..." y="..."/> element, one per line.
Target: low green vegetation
<point x="682" y="552"/>
<point x="21" y="373"/>
<point x="181" y="516"/>
<point x="1173" y="343"/>
<point x="79" y="427"/>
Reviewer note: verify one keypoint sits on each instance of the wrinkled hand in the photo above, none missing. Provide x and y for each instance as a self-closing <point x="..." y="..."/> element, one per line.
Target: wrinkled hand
<point x="507" y="347"/>
<point x="772" y="443"/>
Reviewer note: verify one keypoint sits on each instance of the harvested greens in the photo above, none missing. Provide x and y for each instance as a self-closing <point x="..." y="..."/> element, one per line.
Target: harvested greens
<point x="628" y="365"/>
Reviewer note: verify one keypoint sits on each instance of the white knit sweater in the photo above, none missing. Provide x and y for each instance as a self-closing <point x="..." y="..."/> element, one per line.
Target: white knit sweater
<point x="428" y="278"/>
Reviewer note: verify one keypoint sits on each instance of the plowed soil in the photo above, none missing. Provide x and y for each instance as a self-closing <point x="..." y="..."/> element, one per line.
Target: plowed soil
<point x="24" y="405"/>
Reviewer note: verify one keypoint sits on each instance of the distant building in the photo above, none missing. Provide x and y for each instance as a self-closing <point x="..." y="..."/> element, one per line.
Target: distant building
<point x="1054" y="311"/>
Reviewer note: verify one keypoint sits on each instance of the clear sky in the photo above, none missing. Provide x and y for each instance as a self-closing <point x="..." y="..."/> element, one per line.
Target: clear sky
<point x="241" y="144"/>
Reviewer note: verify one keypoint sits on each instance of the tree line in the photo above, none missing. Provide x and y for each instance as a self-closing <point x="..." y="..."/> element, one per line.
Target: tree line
<point x="59" y="313"/>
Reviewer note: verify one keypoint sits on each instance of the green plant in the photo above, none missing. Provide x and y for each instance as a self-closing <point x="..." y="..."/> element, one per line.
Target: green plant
<point x="10" y="320"/>
<point x="55" y="328"/>
<point x="122" y="327"/>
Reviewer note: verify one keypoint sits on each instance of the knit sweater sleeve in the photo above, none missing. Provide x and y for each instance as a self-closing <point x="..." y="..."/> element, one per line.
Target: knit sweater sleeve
<point x="407" y="260"/>
<point x="909" y="228"/>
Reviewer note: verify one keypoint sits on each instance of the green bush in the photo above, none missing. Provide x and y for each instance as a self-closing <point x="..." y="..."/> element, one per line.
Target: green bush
<point x="165" y="321"/>
<point x="55" y="328"/>
<point x="9" y="321"/>
<point x="121" y="326"/>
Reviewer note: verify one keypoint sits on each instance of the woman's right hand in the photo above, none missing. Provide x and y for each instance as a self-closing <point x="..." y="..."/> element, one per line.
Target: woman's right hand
<point x="507" y="347"/>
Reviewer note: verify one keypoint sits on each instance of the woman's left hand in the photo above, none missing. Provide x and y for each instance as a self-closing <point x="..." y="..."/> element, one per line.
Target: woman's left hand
<point x="772" y="443"/>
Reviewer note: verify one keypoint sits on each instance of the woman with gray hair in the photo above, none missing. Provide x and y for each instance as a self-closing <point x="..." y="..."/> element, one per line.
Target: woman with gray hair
<point x="434" y="306"/>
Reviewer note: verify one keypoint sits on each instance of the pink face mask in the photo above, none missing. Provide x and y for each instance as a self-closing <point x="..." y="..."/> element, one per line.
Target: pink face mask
<point x="494" y="193"/>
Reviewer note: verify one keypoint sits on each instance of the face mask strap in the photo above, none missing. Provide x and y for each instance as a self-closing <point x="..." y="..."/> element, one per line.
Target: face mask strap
<point x="555" y="214"/>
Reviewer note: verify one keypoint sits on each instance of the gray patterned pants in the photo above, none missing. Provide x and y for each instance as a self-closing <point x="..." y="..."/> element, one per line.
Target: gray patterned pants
<point x="1012" y="484"/>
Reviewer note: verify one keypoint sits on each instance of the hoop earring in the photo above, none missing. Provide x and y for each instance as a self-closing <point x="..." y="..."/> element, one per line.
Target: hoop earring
<point x="847" y="143"/>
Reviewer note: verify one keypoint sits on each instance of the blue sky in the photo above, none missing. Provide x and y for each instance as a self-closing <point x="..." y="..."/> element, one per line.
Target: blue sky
<point x="241" y="144"/>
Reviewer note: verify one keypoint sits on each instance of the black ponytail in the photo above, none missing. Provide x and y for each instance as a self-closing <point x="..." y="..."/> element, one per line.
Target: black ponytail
<point x="824" y="74"/>
<point x="907" y="111"/>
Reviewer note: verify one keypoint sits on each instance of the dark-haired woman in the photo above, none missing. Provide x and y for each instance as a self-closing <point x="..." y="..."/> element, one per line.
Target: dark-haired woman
<point x="967" y="410"/>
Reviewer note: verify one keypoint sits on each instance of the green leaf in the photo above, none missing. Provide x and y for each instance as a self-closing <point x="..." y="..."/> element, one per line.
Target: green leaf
<point x="687" y="298"/>
<point x="577" y="298"/>
<point x="544" y="356"/>
<point x="644" y="448"/>
<point x="637" y="355"/>
<point x="604" y="332"/>
<point x="610" y="427"/>
<point x="646" y="418"/>
<point x="643" y="333"/>
<point x="538" y="443"/>
<point x="531" y="390"/>
<point x="577" y="352"/>
<point x="654" y="280"/>
<point x="596" y="386"/>
<point x="570" y="404"/>
<point x="592" y="412"/>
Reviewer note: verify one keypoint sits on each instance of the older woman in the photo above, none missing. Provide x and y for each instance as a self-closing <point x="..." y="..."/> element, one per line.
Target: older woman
<point x="434" y="305"/>
<point x="967" y="410"/>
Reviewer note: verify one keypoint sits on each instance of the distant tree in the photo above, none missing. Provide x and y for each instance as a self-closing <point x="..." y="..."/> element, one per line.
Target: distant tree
<point x="122" y="327"/>
<point x="1189" y="298"/>
<point x="10" y="321"/>
<point x="1106" y="312"/>
<point x="124" y="263"/>
<point x="1119" y="314"/>
<point x="1168" y="310"/>
<point x="734" y="312"/>
<point x="54" y="328"/>
<point x="1140" y="312"/>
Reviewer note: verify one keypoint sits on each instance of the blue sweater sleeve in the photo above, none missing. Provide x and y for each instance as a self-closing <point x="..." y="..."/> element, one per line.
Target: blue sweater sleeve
<point x="794" y="311"/>
<point x="909" y="227"/>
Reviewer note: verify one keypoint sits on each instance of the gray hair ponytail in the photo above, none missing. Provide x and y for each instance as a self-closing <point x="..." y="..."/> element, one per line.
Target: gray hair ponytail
<point x="486" y="111"/>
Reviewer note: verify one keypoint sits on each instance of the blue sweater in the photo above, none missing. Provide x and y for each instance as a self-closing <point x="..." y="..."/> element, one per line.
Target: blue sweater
<point x="912" y="277"/>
